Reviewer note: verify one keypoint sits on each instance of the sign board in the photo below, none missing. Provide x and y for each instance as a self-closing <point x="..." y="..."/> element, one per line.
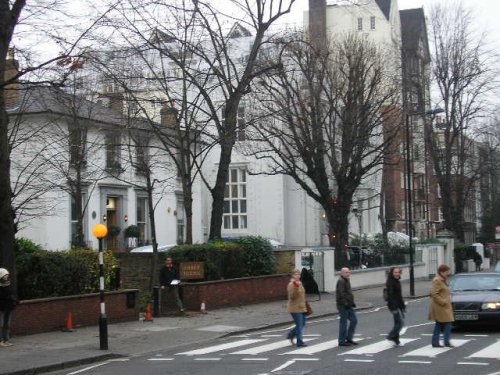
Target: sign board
<point x="192" y="270"/>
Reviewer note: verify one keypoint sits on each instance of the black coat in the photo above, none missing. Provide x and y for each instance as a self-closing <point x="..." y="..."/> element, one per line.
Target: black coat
<point x="394" y="295"/>
<point x="8" y="300"/>
<point x="344" y="293"/>
<point x="167" y="274"/>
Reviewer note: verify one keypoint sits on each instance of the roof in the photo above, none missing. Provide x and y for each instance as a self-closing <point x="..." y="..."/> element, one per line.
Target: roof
<point x="385" y="7"/>
<point x="413" y="28"/>
<point x="43" y="99"/>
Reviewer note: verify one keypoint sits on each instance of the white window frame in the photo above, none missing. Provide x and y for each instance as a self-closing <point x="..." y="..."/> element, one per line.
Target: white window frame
<point x="235" y="212"/>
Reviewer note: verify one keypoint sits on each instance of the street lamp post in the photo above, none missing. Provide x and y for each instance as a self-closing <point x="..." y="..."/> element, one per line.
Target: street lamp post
<point x="100" y="231"/>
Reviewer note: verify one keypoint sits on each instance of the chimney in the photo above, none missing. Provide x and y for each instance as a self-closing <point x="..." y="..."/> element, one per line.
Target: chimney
<point x="168" y="116"/>
<point x="317" y="23"/>
<point x="12" y="89"/>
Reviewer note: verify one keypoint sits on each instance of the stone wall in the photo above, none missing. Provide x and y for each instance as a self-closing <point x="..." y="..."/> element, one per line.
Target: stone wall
<point x="50" y="314"/>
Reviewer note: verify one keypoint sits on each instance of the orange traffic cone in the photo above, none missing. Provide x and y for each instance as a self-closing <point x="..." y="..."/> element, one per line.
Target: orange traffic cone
<point x="149" y="315"/>
<point x="203" y="309"/>
<point x="69" y="323"/>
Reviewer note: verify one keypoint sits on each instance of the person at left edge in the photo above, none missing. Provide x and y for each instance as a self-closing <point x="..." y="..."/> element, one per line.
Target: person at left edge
<point x="8" y="302"/>
<point x="297" y="308"/>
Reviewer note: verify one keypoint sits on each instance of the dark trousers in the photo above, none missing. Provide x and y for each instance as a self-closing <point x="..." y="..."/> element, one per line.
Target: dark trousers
<point x="398" y="317"/>
<point x="5" y="324"/>
<point x="347" y="314"/>
<point x="173" y="290"/>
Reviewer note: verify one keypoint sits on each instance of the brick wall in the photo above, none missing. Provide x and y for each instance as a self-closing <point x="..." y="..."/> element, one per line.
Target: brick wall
<point x="234" y="292"/>
<point x="49" y="314"/>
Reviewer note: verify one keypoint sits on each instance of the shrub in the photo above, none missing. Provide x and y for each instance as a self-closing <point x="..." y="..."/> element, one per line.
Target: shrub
<point x="25" y="246"/>
<point x="259" y="258"/>
<point x="113" y="230"/>
<point x="132" y="231"/>
<point x="207" y="253"/>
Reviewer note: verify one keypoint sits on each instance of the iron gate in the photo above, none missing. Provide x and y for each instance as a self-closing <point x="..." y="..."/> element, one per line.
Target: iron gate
<point x="313" y="260"/>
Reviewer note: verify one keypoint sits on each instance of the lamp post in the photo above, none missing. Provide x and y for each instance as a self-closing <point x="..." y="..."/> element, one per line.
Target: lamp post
<point x="100" y="231"/>
<point x="409" y="185"/>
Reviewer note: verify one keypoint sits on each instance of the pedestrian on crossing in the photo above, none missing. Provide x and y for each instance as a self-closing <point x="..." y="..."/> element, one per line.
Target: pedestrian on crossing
<point x="441" y="310"/>
<point x="346" y="305"/>
<point x="297" y="308"/>
<point x="395" y="303"/>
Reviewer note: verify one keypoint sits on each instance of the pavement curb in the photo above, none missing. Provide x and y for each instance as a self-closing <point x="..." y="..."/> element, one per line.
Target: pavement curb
<point x="64" y="365"/>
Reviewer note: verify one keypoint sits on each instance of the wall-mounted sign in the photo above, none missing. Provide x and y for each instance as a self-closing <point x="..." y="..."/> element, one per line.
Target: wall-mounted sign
<point x="192" y="270"/>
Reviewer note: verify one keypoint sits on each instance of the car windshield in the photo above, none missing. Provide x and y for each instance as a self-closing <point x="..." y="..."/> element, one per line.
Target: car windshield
<point x="476" y="282"/>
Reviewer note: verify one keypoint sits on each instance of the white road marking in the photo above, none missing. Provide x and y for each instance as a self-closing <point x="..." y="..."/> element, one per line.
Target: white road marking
<point x="491" y="351"/>
<point x="429" y="351"/>
<point x="476" y="335"/>
<point x="160" y="359"/>
<point x="376" y="347"/>
<point x="284" y="365"/>
<point x="403" y="331"/>
<point x="473" y="363"/>
<point x="219" y="328"/>
<point x="207" y="359"/>
<point x="266" y="348"/>
<point x="270" y="336"/>
<point x="308" y="350"/>
<point x="88" y="368"/>
<point x="255" y="359"/>
<point x="217" y="348"/>
<point x="358" y="360"/>
<point x="418" y="362"/>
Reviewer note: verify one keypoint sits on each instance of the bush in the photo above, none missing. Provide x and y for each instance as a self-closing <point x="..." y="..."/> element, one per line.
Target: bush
<point x="52" y="274"/>
<point x="259" y="258"/>
<point x="132" y="231"/>
<point x="25" y="246"/>
<point x="207" y="253"/>
<point x="113" y="230"/>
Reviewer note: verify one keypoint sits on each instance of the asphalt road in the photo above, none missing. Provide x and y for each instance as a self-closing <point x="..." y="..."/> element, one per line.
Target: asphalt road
<point x="476" y="350"/>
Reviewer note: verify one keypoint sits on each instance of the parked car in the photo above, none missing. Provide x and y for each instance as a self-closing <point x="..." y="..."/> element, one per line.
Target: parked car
<point x="149" y="249"/>
<point x="476" y="298"/>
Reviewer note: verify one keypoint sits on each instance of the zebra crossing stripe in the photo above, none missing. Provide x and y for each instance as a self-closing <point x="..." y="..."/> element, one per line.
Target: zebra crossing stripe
<point x="266" y="348"/>
<point x="376" y="347"/>
<point x="492" y="351"/>
<point x="218" y="348"/>
<point x="315" y="348"/>
<point x="429" y="351"/>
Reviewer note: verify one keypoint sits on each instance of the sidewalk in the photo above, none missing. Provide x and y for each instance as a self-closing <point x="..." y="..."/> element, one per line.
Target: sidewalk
<point x="52" y="351"/>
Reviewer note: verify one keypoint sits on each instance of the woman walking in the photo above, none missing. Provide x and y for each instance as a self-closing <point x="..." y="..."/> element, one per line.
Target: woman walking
<point x="441" y="310"/>
<point x="395" y="303"/>
<point x="297" y="308"/>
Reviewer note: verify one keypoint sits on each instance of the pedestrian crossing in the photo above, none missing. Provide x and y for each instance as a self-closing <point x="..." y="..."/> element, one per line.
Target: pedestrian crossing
<point x="413" y="350"/>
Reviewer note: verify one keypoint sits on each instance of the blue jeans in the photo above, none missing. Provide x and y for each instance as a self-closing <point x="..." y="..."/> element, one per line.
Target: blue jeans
<point x="438" y="327"/>
<point x="298" y="330"/>
<point x="347" y="313"/>
<point x="398" y="317"/>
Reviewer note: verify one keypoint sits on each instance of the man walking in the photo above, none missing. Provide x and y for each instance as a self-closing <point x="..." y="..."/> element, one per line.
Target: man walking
<point x="169" y="279"/>
<point x="346" y="305"/>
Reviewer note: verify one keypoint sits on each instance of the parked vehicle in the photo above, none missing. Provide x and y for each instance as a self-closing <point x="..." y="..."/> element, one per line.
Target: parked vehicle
<point x="476" y="298"/>
<point x="149" y="249"/>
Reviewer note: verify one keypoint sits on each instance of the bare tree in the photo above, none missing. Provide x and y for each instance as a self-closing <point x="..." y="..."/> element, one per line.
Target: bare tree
<point x="324" y="123"/>
<point x="463" y="73"/>
<point x="224" y="67"/>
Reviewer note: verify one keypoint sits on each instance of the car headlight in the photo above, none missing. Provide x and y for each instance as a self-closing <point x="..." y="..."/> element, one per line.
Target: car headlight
<point x="490" y="306"/>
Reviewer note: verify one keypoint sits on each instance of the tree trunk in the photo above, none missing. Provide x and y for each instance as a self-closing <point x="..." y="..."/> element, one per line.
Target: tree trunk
<point x="188" y="209"/>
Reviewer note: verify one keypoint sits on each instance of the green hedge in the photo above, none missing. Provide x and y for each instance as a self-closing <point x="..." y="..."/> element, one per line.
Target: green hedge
<point x="245" y="256"/>
<point x="42" y="274"/>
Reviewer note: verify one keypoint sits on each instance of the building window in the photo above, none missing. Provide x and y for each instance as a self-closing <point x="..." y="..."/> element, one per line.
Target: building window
<point x="240" y="122"/>
<point x="372" y="23"/>
<point x="142" y="220"/>
<point x="141" y="156"/>
<point x="235" y="200"/>
<point x="112" y="151"/>
<point x="360" y="24"/>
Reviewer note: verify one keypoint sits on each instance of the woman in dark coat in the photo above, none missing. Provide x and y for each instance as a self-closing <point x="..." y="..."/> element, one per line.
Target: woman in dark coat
<point x="395" y="303"/>
<point x="8" y="303"/>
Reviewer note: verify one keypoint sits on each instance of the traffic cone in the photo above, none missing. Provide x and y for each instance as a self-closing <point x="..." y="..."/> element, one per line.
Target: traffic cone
<point x="69" y="323"/>
<point x="203" y="309"/>
<point x="149" y="315"/>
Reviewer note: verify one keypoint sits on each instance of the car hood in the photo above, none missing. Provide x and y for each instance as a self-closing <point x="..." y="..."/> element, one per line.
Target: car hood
<point x="476" y="296"/>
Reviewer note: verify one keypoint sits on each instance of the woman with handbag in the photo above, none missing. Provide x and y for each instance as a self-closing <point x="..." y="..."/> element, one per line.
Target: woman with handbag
<point x="297" y="308"/>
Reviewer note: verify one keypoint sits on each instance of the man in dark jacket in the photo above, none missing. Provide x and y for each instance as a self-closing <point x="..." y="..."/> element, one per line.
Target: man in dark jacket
<point x="346" y="305"/>
<point x="395" y="303"/>
<point x="8" y="302"/>
<point x="169" y="280"/>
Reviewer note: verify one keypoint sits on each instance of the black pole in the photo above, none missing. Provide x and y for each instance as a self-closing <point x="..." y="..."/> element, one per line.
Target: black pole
<point x="409" y="200"/>
<point x="103" y="321"/>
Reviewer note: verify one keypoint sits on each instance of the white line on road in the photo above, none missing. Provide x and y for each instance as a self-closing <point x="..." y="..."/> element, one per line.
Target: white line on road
<point x="207" y="359"/>
<point x="160" y="359"/>
<point x="491" y="351"/>
<point x="358" y="360"/>
<point x="417" y="362"/>
<point x="255" y="359"/>
<point x="217" y="348"/>
<point x="476" y="335"/>
<point x="376" y="347"/>
<point x="88" y="368"/>
<point x="473" y="363"/>
<point x="429" y="351"/>
<point x="266" y="348"/>
<point x="284" y="365"/>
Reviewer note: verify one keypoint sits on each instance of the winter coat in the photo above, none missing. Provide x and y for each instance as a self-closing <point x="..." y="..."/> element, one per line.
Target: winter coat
<point x="344" y="294"/>
<point x="394" y="295"/>
<point x="296" y="298"/>
<point x="167" y="274"/>
<point x="440" y="310"/>
<point x="8" y="300"/>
